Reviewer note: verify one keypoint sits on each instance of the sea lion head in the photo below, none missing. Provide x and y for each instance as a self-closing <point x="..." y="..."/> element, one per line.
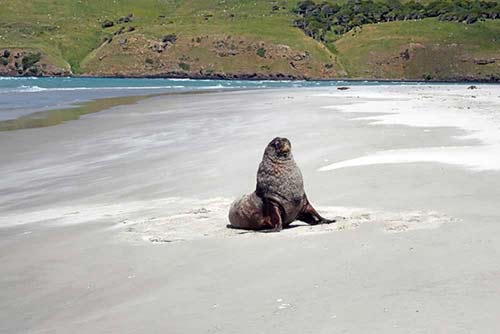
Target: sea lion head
<point x="279" y="149"/>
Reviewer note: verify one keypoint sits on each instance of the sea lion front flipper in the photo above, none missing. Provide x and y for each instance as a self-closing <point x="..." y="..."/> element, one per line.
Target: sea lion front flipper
<point x="274" y="223"/>
<point x="310" y="216"/>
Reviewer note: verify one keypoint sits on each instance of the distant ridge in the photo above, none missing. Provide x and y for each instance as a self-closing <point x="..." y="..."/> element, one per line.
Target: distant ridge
<point x="235" y="39"/>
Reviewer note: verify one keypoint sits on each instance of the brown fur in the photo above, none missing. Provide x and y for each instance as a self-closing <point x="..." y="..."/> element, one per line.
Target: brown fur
<point x="279" y="198"/>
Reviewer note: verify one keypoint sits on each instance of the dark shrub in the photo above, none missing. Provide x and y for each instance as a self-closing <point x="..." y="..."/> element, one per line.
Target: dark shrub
<point x="31" y="59"/>
<point x="170" y="38"/>
<point x="184" y="66"/>
<point x="316" y="19"/>
<point x="107" y="24"/>
<point x="261" y="52"/>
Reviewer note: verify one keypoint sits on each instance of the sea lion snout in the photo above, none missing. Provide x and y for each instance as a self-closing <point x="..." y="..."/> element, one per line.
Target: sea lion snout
<point x="282" y="146"/>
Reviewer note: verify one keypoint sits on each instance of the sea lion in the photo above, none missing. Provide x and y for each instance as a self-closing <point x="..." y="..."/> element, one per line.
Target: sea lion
<point x="279" y="198"/>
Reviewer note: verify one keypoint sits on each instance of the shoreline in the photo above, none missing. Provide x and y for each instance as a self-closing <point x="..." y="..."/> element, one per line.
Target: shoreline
<point x="56" y="116"/>
<point x="251" y="77"/>
<point x="51" y="117"/>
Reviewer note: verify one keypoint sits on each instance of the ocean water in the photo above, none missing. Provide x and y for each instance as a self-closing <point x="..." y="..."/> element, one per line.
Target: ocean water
<point x="24" y="95"/>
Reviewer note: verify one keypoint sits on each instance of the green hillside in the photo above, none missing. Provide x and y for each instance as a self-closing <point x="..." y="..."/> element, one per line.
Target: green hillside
<point x="232" y="38"/>
<point x="426" y="49"/>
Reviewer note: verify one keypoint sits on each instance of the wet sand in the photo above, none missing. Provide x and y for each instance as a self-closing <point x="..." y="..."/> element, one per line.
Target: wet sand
<point x="57" y="116"/>
<point x="116" y="222"/>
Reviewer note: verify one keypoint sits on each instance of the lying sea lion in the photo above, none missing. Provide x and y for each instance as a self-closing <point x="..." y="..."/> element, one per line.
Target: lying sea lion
<point x="279" y="198"/>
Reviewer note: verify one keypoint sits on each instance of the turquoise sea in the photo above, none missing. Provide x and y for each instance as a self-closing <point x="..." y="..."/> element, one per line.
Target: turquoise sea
<point x="24" y="95"/>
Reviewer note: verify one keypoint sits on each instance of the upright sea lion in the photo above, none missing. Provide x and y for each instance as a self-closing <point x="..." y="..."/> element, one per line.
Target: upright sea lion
<point x="279" y="198"/>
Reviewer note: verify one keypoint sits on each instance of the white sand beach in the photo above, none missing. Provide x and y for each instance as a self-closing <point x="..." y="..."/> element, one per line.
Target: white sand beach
<point x="116" y="222"/>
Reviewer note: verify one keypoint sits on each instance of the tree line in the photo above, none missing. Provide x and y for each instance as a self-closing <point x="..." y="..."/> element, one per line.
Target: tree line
<point x="317" y="19"/>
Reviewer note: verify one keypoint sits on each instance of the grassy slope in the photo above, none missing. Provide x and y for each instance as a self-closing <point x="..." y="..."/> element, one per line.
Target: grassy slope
<point x="248" y="21"/>
<point x="444" y="50"/>
<point x="68" y="31"/>
<point x="69" y="34"/>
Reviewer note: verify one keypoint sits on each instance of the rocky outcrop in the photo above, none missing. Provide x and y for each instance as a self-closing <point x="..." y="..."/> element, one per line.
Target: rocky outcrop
<point x="107" y="24"/>
<point x="162" y="45"/>
<point x="14" y="62"/>
<point x="484" y="61"/>
<point x="210" y="75"/>
<point x="125" y="19"/>
<point x="205" y="56"/>
<point x="170" y="38"/>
